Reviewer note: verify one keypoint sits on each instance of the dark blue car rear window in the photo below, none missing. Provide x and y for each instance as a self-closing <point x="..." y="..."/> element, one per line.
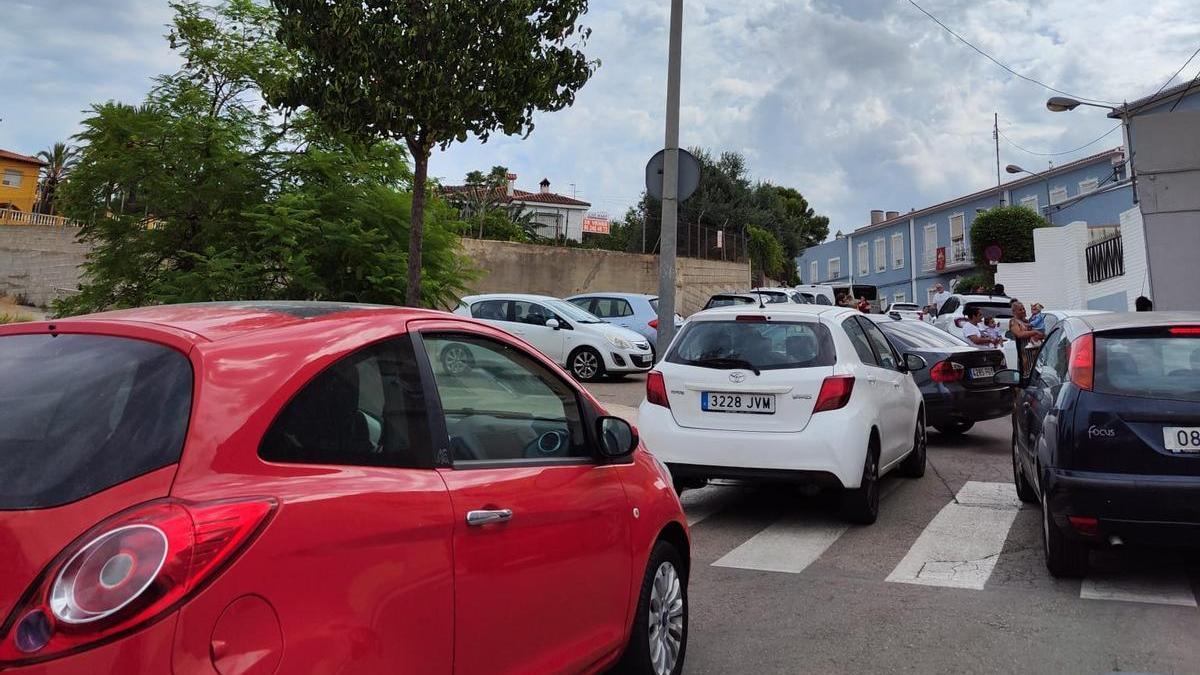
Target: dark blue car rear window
<point x="82" y="413"/>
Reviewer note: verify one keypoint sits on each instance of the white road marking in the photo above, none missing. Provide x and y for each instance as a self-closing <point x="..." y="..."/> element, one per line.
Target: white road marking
<point x="1165" y="585"/>
<point x="960" y="546"/>
<point x="792" y="543"/>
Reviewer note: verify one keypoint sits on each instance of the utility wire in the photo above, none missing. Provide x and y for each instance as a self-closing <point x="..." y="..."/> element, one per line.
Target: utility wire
<point x="1172" y="78"/>
<point x="1056" y="154"/>
<point x="1185" y="91"/>
<point x="989" y="57"/>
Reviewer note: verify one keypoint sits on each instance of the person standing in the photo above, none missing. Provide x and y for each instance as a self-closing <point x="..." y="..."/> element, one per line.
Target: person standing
<point x="1143" y="304"/>
<point x="940" y="296"/>
<point x="1027" y="337"/>
<point x="863" y="305"/>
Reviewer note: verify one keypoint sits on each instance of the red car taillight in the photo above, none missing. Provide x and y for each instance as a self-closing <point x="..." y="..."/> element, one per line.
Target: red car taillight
<point x="1083" y="362"/>
<point x="653" y="324"/>
<point x="126" y="572"/>
<point x="656" y="389"/>
<point x="835" y="393"/>
<point x="947" y="371"/>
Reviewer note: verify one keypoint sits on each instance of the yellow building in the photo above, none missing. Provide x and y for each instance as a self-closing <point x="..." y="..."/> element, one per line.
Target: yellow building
<point x="18" y="181"/>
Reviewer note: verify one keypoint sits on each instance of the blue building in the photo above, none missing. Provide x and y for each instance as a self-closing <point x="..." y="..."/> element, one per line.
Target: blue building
<point x="905" y="255"/>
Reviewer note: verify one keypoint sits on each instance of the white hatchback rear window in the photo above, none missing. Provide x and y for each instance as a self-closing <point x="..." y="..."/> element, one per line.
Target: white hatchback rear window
<point x="761" y="345"/>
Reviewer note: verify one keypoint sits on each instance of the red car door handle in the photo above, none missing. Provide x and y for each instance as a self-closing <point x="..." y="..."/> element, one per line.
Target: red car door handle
<point x="479" y="518"/>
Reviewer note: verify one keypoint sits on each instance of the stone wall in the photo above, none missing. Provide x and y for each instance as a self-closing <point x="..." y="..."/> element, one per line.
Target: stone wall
<point x="39" y="264"/>
<point x="549" y="270"/>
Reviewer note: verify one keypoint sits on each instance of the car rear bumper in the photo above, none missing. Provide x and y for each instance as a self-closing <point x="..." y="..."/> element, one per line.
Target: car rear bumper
<point x="1138" y="509"/>
<point x="828" y="450"/>
<point x="948" y="405"/>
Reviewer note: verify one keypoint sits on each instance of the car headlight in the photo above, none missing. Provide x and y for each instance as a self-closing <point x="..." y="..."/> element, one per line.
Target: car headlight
<point x="618" y="341"/>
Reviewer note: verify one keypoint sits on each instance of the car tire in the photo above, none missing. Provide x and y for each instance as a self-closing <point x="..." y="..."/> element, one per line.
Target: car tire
<point x="456" y="359"/>
<point x="1065" y="558"/>
<point x="913" y="466"/>
<point x="649" y="642"/>
<point x="586" y="364"/>
<point x="860" y="505"/>
<point x="1024" y="490"/>
<point x="955" y="428"/>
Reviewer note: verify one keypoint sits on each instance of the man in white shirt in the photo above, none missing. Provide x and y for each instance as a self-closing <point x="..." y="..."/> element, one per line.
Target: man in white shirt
<point x="940" y="296"/>
<point x="973" y="333"/>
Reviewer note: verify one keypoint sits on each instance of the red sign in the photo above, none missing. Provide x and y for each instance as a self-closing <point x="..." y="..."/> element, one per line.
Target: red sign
<point x="941" y="258"/>
<point x="596" y="224"/>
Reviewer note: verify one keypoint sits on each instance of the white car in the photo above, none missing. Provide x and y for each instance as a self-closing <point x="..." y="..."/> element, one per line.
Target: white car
<point x="907" y="310"/>
<point x="817" y="294"/>
<point x="586" y="345"/>
<point x="780" y="296"/>
<point x="953" y="312"/>
<point x="805" y="393"/>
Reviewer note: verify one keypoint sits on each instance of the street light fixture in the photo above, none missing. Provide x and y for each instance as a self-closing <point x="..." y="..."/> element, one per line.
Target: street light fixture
<point x="1013" y="168"/>
<point x="1064" y="104"/>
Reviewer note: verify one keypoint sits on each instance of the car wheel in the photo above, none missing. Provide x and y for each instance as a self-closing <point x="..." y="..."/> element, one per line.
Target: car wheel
<point x="586" y="365"/>
<point x="1065" y="558"/>
<point x="658" y="641"/>
<point x="861" y="505"/>
<point x="1024" y="489"/>
<point x="457" y="359"/>
<point x="913" y="466"/>
<point x="955" y="428"/>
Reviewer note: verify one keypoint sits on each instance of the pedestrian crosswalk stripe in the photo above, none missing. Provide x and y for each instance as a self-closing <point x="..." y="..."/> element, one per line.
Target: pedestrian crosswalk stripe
<point x="960" y="546"/>
<point x="1167" y="584"/>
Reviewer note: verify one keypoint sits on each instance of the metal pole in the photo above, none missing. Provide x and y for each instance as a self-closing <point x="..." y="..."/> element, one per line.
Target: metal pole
<point x="670" y="202"/>
<point x="996" y="136"/>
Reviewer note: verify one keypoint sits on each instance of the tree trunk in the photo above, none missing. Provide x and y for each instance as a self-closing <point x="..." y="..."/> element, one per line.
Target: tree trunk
<point x="416" y="233"/>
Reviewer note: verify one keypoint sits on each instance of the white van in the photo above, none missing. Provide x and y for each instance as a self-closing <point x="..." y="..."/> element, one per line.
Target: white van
<point x="816" y="294"/>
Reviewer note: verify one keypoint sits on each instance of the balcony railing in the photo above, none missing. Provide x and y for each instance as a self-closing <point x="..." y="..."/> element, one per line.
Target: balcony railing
<point x="15" y="217"/>
<point x="958" y="251"/>
<point x="1105" y="260"/>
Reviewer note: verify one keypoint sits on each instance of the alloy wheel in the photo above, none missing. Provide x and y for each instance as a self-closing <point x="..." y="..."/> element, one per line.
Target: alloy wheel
<point x="585" y="365"/>
<point x="665" y="619"/>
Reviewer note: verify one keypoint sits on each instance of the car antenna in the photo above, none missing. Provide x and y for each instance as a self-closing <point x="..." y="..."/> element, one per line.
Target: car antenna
<point x="761" y="305"/>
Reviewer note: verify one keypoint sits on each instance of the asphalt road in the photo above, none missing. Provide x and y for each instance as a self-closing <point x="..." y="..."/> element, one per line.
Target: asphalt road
<point x="949" y="580"/>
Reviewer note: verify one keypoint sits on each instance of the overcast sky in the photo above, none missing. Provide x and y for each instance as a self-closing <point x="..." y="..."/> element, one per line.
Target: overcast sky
<point x="859" y="104"/>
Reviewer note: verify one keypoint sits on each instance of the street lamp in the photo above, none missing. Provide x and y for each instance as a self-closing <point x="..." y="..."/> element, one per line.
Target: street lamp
<point x="1013" y="168"/>
<point x="1066" y="104"/>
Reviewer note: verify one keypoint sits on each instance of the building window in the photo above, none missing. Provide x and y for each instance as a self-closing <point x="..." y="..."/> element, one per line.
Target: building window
<point x="12" y="178"/>
<point x="1031" y="202"/>
<point x="813" y="274"/>
<point x="1088" y="185"/>
<point x="897" y="251"/>
<point x="899" y="297"/>
<point x="930" y="260"/>
<point x="1058" y="195"/>
<point x="835" y="268"/>
<point x="958" y="242"/>
<point x="864" y="261"/>
<point x="880" y="255"/>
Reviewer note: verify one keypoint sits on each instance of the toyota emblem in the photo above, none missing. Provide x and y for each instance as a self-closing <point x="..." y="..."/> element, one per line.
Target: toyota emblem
<point x="737" y="378"/>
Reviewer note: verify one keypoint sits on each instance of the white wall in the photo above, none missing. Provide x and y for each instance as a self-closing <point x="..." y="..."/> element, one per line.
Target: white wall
<point x="1058" y="277"/>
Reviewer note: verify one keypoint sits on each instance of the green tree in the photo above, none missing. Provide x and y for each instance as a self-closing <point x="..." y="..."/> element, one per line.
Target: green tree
<point x="60" y="159"/>
<point x="1010" y="230"/>
<point x="431" y="74"/>
<point x="203" y="193"/>
<point x="767" y="257"/>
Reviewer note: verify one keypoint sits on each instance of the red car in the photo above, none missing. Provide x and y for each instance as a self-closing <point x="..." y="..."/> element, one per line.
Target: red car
<point x="322" y="488"/>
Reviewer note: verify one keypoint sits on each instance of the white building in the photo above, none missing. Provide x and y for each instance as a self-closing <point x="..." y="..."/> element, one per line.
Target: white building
<point x="556" y="215"/>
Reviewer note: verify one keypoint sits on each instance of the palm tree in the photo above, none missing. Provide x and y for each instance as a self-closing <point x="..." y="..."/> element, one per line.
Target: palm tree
<point x="59" y="160"/>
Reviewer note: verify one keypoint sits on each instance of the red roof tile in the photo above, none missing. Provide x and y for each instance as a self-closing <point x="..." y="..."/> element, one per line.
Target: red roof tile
<point x="5" y="154"/>
<point x="500" y="194"/>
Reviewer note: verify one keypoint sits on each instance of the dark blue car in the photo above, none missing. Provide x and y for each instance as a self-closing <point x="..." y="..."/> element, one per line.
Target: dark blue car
<point x="1106" y="434"/>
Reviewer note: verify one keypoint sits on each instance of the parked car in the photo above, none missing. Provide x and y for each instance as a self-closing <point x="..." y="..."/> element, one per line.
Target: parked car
<point x="732" y="299"/>
<point x="817" y="294"/>
<point x="907" y="310"/>
<point x="959" y="386"/>
<point x="635" y="311"/>
<point x="1053" y="317"/>
<point x="589" y="347"/>
<point x="300" y="487"/>
<point x="953" y="312"/>
<point x="800" y="393"/>
<point x="777" y="296"/>
<point x="1106" y="434"/>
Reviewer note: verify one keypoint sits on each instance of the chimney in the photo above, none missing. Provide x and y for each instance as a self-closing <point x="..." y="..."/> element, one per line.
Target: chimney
<point x="512" y="183"/>
<point x="876" y="216"/>
<point x="545" y="185"/>
<point x="892" y="214"/>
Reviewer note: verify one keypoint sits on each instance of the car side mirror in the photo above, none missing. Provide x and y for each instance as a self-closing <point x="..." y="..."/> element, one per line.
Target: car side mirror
<point x="913" y="363"/>
<point x="1008" y="377"/>
<point x="552" y="323"/>
<point x="618" y="438"/>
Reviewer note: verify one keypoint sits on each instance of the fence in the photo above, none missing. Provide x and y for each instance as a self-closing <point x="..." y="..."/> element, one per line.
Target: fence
<point x="15" y="217"/>
<point x="1105" y="260"/>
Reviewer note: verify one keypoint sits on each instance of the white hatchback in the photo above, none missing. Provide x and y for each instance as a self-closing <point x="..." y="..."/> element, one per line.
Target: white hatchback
<point x="801" y="393"/>
<point x="585" y="345"/>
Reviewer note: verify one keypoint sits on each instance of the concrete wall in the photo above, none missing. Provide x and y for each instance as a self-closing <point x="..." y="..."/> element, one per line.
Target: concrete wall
<point x="39" y="263"/>
<point x="550" y="270"/>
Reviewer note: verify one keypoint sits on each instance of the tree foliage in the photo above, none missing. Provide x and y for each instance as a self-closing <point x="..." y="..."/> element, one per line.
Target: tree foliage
<point x="60" y="159"/>
<point x="204" y="193"/>
<point x="767" y="257"/>
<point x="1008" y="227"/>
<point x="431" y="74"/>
